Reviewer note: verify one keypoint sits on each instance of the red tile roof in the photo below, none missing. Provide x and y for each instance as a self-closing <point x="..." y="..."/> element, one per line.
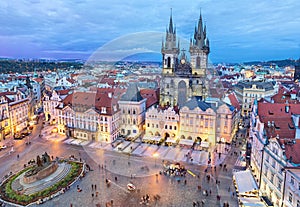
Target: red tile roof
<point x="292" y="150"/>
<point x="63" y="92"/>
<point x="104" y="97"/>
<point x="284" y="95"/>
<point x="39" y="80"/>
<point x="234" y="101"/>
<point x="276" y="120"/>
<point x="71" y="80"/>
<point x="151" y="95"/>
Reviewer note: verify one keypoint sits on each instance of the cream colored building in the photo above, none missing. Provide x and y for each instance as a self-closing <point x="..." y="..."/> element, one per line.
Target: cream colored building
<point x="18" y="107"/>
<point x="133" y="109"/>
<point x="292" y="187"/>
<point x="51" y="101"/>
<point x="196" y="121"/>
<point x="90" y="116"/>
<point x="247" y="92"/>
<point x="4" y="117"/>
<point x="274" y="148"/>
<point x="162" y="123"/>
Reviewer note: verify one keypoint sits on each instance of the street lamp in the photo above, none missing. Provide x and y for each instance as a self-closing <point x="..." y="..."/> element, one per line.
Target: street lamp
<point x="155" y="155"/>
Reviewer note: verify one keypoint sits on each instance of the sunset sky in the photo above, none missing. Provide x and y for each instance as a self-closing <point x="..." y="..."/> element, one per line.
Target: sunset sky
<point x="238" y="30"/>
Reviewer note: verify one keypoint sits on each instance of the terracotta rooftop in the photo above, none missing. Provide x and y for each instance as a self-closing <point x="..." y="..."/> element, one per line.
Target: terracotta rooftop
<point x="277" y="119"/>
<point x="284" y="95"/>
<point x="292" y="150"/>
<point x="102" y="98"/>
<point x="151" y="95"/>
<point x="234" y="101"/>
<point x="71" y="80"/>
<point x="63" y="92"/>
<point x="39" y="80"/>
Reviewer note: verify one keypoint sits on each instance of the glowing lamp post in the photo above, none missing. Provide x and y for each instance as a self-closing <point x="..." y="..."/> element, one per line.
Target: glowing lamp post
<point x="155" y="155"/>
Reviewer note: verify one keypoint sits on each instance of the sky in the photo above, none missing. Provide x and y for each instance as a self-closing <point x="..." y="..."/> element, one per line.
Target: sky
<point x="238" y="31"/>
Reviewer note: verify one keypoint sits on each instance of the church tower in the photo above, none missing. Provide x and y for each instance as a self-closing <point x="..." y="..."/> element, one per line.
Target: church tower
<point x="184" y="79"/>
<point x="169" y="50"/>
<point x="199" y="50"/>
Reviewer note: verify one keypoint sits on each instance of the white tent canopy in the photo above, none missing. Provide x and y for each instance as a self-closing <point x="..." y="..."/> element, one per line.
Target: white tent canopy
<point x="245" y="183"/>
<point x="251" y="202"/>
<point x="188" y="142"/>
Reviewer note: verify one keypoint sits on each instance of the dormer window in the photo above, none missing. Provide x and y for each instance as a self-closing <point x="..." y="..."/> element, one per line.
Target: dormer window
<point x="103" y="110"/>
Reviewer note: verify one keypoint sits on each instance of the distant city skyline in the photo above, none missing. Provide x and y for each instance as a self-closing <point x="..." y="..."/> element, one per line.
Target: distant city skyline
<point x="239" y="31"/>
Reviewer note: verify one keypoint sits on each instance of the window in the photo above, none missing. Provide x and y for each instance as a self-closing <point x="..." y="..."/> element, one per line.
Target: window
<point x="134" y="111"/>
<point x="166" y="126"/>
<point x="279" y="184"/>
<point x="298" y="203"/>
<point x="290" y="197"/>
<point x="175" y="128"/>
<point x="170" y="127"/>
<point x="134" y="131"/>
<point x="292" y="180"/>
<point x="272" y="178"/>
<point x="148" y="125"/>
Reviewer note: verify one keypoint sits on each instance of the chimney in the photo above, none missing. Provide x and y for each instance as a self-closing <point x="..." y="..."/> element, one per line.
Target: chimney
<point x="287" y="107"/>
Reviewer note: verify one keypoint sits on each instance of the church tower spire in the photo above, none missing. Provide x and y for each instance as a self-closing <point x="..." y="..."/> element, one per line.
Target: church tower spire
<point x="170" y="50"/>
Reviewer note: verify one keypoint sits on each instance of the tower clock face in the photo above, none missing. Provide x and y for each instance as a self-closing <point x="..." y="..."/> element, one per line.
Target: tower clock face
<point x="182" y="61"/>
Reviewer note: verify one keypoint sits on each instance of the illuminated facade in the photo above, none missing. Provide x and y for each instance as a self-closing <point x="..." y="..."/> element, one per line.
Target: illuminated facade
<point x="92" y="116"/>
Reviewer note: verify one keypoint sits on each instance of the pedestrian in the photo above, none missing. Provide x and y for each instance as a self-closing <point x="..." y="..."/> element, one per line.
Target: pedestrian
<point x="116" y="179"/>
<point x="95" y="186"/>
<point x="92" y="195"/>
<point x="97" y="193"/>
<point x="229" y="189"/>
<point x="18" y="156"/>
<point x="185" y="182"/>
<point x="209" y="191"/>
<point x="92" y="187"/>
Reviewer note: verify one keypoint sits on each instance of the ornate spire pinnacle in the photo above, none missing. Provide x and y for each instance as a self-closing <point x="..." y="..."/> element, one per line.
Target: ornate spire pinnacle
<point x="171" y="24"/>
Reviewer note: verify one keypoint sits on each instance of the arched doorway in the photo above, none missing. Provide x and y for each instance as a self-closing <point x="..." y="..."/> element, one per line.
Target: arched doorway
<point x="182" y="93"/>
<point x="198" y="140"/>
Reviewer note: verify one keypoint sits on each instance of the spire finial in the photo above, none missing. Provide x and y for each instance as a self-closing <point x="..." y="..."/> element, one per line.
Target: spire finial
<point x="171" y="23"/>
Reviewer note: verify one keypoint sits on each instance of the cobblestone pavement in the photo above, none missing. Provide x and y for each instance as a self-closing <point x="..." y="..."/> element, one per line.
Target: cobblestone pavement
<point x="143" y="172"/>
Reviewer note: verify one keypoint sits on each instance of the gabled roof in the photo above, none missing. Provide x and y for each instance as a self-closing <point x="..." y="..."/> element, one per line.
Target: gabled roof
<point x="195" y="102"/>
<point x="292" y="150"/>
<point x="284" y="95"/>
<point x="151" y="96"/>
<point x="234" y="101"/>
<point x="132" y="94"/>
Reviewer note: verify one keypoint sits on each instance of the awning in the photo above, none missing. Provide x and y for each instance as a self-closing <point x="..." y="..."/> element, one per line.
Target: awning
<point x="155" y="138"/>
<point x="245" y="183"/>
<point x="170" y="140"/>
<point x="188" y="142"/>
<point x="205" y="144"/>
<point x="251" y="202"/>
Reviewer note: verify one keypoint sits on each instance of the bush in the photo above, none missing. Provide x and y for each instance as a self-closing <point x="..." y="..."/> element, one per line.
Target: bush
<point x="7" y="193"/>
